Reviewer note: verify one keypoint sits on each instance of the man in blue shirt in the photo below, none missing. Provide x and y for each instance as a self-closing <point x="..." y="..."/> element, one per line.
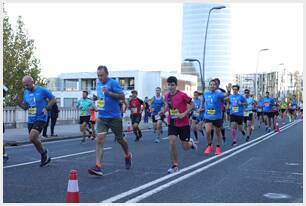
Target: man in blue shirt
<point x="267" y="109"/>
<point x="213" y="114"/>
<point x="237" y="102"/>
<point x="248" y="113"/>
<point x="37" y="100"/>
<point x="157" y="102"/>
<point x="109" y="94"/>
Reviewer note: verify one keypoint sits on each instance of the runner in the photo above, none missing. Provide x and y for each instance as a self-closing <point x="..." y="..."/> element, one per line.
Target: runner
<point x="223" y="110"/>
<point x="236" y="102"/>
<point x="37" y="100"/>
<point x="179" y="105"/>
<point x="275" y="110"/>
<point x="267" y="109"/>
<point x="259" y="109"/>
<point x="123" y="108"/>
<point x="136" y="106"/>
<point x="213" y="115"/>
<point x="157" y="102"/>
<point x="284" y="108"/>
<point x="85" y="105"/>
<point x="109" y="93"/>
<point x="196" y="123"/>
<point x="292" y="108"/>
<point x="248" y="114"/>
<point x="301" y="109"/>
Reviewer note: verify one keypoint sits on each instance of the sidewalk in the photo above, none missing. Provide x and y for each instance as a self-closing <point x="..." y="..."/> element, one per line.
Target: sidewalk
<point x="14" y="137"/>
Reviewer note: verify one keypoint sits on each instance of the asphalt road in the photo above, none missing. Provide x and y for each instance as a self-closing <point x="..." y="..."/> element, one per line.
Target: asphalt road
<point x="269" y="168"/>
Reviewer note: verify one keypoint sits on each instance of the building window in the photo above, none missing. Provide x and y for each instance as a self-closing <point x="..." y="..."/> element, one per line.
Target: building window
<point x="71" y="84"/>
<point x="88" y="84"/>
<point x="70" y="102"/>
<point x="127" y="83"/>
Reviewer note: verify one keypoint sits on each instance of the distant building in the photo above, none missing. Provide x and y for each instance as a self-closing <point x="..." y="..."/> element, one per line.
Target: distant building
<point x="68" y="87"/>
<point x="218" y="47"/>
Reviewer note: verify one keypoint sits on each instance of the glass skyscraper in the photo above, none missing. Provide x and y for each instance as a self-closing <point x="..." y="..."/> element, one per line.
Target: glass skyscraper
<point x="218" y="50"/>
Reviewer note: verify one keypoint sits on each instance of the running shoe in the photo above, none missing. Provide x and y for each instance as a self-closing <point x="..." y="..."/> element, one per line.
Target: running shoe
<point x="173" y="169"/>
<point x="218" y="151"/>
<point x="5" y="158"/>
<point x="243" y="132"/>
<point x="234" y="143"/>
<point x="45" y="159"/>
<point x="269" y="129"/>
<point x="157" y="140"/>
<point x="208" y="150"/>
<point x="247" y="139"/>
<point x="193" y="145"/>
<point x="128" y="161"/>
<point x="95" y="171"/>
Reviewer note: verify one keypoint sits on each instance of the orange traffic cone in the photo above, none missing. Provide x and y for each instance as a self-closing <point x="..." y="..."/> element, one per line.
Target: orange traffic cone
<point x="73" y="195"/>
<point x="129" y="128"/>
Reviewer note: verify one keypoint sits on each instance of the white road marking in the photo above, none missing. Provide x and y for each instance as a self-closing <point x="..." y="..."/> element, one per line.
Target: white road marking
<point x="164" y="186"/>
<point x="54" y="158"/>
<point x="149" y="184"/>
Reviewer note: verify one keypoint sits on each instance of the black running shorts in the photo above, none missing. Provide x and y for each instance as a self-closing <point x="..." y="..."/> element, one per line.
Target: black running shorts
<point x="38" y="125"/>
<point x="182" y="132"/>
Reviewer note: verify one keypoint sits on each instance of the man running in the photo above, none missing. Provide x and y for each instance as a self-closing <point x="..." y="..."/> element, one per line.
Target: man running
<point x="259" y="109"/>
<point x="292" y="108"/>
<point x="157" y="102"/>
<point x="284" y="108"/>
<point x="275" y="111"/>
<point x="136" y="106"/>
<point x="109" y="93"/>
<point x="248" y="113"/>
<point x="237" y="103"/>
<point x="267" y="109"/>
<point x="179" y="105"/>
<point x="213" y="114"/>
<point x="85" y="105"/>
<point x="196" y="122"/>
<point x="37" y="100"/>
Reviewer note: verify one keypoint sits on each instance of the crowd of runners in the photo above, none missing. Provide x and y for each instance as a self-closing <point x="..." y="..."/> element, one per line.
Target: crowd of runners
<point x="205" y="115"/>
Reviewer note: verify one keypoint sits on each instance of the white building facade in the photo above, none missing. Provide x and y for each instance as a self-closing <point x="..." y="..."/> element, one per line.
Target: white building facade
<point x="68" y="87"/>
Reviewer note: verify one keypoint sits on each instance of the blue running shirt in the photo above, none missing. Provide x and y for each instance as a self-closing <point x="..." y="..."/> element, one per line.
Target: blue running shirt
<point x="157" y="104"/>
<point x="107" y="106"/>
<point x="213" y="105"/>
<point x="36" y="100"/>
<point x="267" y="104"/>
<point x="259" y="106"/>
<point x="235" y="108"/>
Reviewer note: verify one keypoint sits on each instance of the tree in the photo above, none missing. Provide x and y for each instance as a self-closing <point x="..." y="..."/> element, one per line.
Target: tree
<point x="18" y="59"/>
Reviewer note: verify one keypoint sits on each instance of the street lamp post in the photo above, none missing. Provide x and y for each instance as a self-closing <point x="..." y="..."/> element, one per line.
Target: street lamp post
<point x="201" y="75"/>
<point x="204" y="50"/>
<point x="257" y="63"/>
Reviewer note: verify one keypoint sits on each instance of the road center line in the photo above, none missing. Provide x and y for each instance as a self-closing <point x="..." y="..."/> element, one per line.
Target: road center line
<point x="54" y="158"/>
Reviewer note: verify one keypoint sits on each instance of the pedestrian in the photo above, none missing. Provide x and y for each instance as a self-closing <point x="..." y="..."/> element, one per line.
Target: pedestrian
<point x="179" y="105"/>
<point x="136" y="106"/>
<point x="53" y="115"/>
<point x="146" y="111"/>
<point x="37" y="100"/>
<point x="109" y="93"/>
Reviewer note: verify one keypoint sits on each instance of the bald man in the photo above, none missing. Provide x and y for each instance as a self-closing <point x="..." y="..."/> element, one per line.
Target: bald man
<point x="37" y="100"/>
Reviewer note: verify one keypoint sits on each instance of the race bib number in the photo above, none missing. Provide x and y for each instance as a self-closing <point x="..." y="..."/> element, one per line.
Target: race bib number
<point x="173" y="113"/>
<point x="83" y="113"/>
<point x="196" y="114"/>
<point x="293" y="107"/>
<point x="267" y="104"/>
<point x="259" y="110"/>
<point x="32" y="111"/>
<point x="211" y="112"/>
<point x="134" y="110"/>
<point x="100" y="104"/>
<point x="246" y="113"/>
<point x="157" y="117"/>
<point x="235" y="109"/>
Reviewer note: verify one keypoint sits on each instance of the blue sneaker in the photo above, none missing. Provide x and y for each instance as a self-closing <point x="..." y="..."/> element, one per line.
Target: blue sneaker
<point x="95" y="171"/>
<point x="128" y="161"/>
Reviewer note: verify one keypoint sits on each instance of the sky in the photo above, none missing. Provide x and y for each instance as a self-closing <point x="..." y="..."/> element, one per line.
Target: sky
<point x="77" y="37"/>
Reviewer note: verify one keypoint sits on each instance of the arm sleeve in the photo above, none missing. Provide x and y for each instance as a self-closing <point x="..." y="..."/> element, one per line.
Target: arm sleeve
<point x="116" y="87"/>
<point x="187" y="98"/>
<point x="48" y="94"/>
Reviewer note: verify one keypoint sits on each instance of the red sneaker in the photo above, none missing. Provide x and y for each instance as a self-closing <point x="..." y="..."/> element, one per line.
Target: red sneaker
<point x="218" y="151"/>
<point x="208" y="150"/>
